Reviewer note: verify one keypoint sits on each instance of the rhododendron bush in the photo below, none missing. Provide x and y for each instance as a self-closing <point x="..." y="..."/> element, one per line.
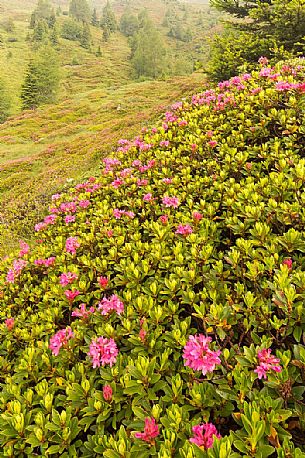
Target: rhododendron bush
<point x="161" y="311"/>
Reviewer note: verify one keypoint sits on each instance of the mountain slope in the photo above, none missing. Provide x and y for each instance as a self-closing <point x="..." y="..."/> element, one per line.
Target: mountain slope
<point x="161" y="311"/>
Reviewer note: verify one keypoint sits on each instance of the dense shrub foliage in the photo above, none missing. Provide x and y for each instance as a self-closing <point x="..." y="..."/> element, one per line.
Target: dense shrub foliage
<point x="161" y="311"/>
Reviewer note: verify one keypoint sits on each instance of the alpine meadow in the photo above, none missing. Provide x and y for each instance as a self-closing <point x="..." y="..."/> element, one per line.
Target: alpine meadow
<point x="152" y="228"/>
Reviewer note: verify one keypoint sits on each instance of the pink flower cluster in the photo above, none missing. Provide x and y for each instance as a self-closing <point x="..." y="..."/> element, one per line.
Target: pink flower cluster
<point x="185" y="229"/>
<point x="71" y="295"/>
<point x="142" y="182"/>
<point x="9" y="323"/>
<point x="113" y="304"/>
<point x="151" y="431"/>
<point x="49" y="219"/>
<point x="66" y="278"/>
<point x="119" y="213"/>
<point x="198" y="355"/>
<point x="103" y="282"/>
<point x="72" y="244"/>
<point x="171" y="202"/>
<point x="107" y="393"/>
<point x="267" y="362"/>
<point x="111" y="163"/>
<point x="204" y="435"/>
<point x="24" y="248"/>
<point x="15" y="271"/>
<point x="148" y="197"/>
<point x="60" y="339"/>
<point x="45" y="262"/>
<point x="82" y="312"/>
<point x="103" y="351"/>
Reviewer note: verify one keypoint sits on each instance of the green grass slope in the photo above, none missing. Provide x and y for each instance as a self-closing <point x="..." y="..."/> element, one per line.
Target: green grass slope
<point x="161" y="311"/>
<point x="40" y="150"/>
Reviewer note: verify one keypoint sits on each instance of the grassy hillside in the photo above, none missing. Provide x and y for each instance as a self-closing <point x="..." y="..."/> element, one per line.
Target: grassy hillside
<point x="160" y="312"/>
<point x="98" y="100"/>
<point x="39" y="151"/>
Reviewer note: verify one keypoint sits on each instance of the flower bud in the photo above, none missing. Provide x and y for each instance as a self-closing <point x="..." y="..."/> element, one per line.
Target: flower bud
<point x="107" y="393"/>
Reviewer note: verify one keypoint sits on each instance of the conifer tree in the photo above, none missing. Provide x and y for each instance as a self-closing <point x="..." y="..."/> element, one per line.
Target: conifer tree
<point x="79" y="10"/>
<point x="129" y="24"/>
<point x="41" y="80"/>
<point x="4" y="102"/>
<point x="276" y="27"/>
<point x="85" y="40"/>
<point x="94" y="19"/>
<point x="148" y="52"/>
<point x="41" y="30"/>
<point x="108" y="20"/>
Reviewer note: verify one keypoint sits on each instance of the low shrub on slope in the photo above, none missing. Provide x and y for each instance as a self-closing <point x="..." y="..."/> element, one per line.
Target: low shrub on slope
<point x="161" y="311"/>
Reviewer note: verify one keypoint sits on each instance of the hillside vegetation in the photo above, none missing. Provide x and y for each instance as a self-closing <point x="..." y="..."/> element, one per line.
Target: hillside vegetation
<point x="98" y="99"/>
<point x="161" y="310"/>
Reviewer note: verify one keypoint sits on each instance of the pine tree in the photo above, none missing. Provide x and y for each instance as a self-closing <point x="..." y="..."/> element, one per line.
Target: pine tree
<point x="41" y="80"/>
<point x="149" y="52"/>
<point x="4" y="102"/>
<point x="274" y="27"/>
<point x="94" y="19"/>
<point x="108" y="20"/>
<point x="85" y="40"/>
<point x="41" y="30"/>
<point x="79" y="10"/>
<point x="129" y="24"/>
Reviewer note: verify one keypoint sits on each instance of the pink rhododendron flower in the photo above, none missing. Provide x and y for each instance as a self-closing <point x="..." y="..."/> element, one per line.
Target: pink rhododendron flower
<point x="171" y="202"/>
<point x="71" y="295"/>
<point x="24" y="248"/>
<point x="68" y="207"/>
<point x="263" y="61"/>
<point x="103" y="281"/>
<point x="288" y="262"/>
<point x="148" y="197"/>
<point x="117" y="183"/>
<point x="82" y="311"/>
<point x="103" y="351"/>
<point x="167" y="180"/>
<point x="45" y="262"/>
<point x="185" y="229"/>
<point x="183" y="123"/>
<point x="113" y="304"/>
<point x="198" y="355"/>
<point x="60" y="339"/>
<point x="212" y="143"/>
<point x="9" y="323"/>
<point x="117" y="213"/>
<point x="69" y="219"/>
<point x="142" y="182"/>
<point x="84" y="203"/>
<point x="151" y="431"/>
<point x="197" y="216"/>
<point x="267" y="362"/>
<point x="40" y="227"/>
<point x="72" y="244"/>
<point x="50" y="219"/>
<point x="204" y="435"/>
<point x="15" y="271"/>
<point x="164" y="143"/>
<point x="107" y="393"/>
<point x="55" y="197"/>
<point x="142" y="335"/>
<point x="66" y="278"/>
<point x="164" y="219"/>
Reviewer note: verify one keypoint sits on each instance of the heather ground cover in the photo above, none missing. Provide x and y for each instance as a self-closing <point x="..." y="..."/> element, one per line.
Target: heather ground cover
<point x="160" y="311"/>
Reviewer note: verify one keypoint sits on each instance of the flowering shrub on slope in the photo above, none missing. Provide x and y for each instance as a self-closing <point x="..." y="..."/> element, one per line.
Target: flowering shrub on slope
<point x="167" y="318"/>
